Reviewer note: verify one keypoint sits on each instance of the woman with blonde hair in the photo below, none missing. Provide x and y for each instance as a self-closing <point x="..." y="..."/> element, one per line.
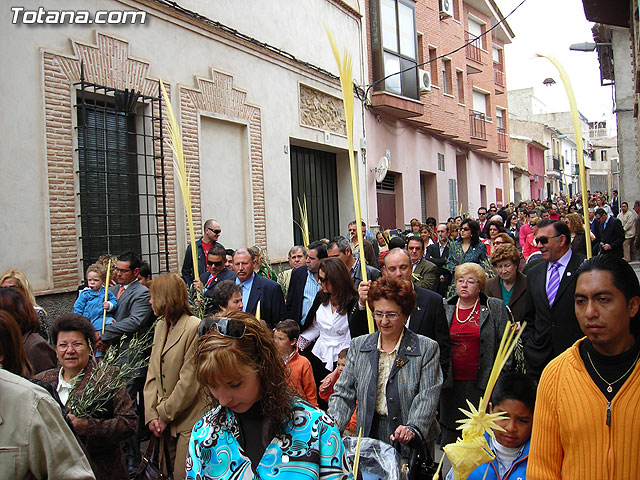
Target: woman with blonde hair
<point x="259" y="428"/>
<point x="476" y="323"/>
<point x="15" y="278"/>
<point x="576" y="226"/>
<point x="171" y="402"/>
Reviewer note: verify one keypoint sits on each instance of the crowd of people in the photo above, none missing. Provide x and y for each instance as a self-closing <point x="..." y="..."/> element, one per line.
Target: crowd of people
<point x="253" y="374"/>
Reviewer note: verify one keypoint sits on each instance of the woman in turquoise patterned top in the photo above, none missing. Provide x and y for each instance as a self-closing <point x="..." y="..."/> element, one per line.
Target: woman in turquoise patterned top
<point x="468" y="248"/>
<point x="260" y="430"/>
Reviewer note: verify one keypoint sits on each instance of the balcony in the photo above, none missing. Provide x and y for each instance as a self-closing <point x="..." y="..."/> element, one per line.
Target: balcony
<point x="474" y="49"/>
<point x="502" y="140"/>
<point x="498" y="74"/>
<point x="478" y="125"/>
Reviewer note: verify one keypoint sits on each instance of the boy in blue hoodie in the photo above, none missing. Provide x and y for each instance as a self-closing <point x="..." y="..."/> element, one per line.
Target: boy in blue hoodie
<point x="90" y="303"/>
<point x="515" y="395"/>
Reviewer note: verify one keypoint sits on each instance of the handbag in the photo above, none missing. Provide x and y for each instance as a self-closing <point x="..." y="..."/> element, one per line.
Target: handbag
<point x="150" y="468"/>
<point x="420" y="463"/>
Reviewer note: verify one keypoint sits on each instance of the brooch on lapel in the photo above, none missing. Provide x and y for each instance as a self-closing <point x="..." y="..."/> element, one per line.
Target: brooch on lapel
<point x="418" y="308"/>
<point x="399" y="362"/>
<point x="568" y="274"/>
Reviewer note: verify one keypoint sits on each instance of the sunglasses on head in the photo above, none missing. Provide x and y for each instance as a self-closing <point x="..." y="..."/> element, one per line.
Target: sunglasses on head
<point x="545" y="240"/>
<point x="231" y="327"/>
<point x="217" y="264"/>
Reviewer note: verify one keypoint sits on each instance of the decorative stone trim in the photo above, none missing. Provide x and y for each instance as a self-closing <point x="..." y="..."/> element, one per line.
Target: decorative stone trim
<point x="217" y="95"/>
<point x="322" y="111"/>
<point x="106" y="63"/>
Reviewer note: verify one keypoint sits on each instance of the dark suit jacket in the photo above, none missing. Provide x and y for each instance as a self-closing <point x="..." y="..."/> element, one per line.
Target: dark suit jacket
<point x="269" y="293"/>
<point x="613" y="235"/>
<point x="427" y="319"/>
<point x="225" y="274"/>
<point x="187" y="265"/>
<point x="517" y="302"/>
<point x="595" y="229"/>
<point x="615" y="205"/>
<point x="579" y="243"/>
<point x="372" y="275"/>
<point x="550" y="330"/>
<point x="444" y="276"/>
<point x="295" y="294"/>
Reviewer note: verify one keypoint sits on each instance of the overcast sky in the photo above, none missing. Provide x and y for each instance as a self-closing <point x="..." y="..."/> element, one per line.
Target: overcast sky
<point x="549" y="27"/>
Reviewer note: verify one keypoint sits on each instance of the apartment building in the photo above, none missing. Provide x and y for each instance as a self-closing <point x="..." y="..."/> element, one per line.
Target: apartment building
<point x="441" y="128"/>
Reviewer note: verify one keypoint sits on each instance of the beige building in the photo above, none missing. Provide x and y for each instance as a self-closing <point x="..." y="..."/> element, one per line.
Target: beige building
<point x="86" y="164"/>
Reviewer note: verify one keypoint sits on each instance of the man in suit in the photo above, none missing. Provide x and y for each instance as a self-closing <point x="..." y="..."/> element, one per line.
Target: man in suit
<point x="209" y="239"/>
<point x="428" y="318"/>
<point x="551" y="321"/>
<point x="258" y="289"/>
<point x="339" y="248"/>
<point x="424" y="273"/>
<point x="133" y="316"/>
<point x="483" y="222"/>
<point x="615" y="203"/>
<point x="216" y="260"/>
<point x="438" y="253"/>
<point x="304" y="284"/>
<point x="611" y="234"/>
<point x="594" y="225"/>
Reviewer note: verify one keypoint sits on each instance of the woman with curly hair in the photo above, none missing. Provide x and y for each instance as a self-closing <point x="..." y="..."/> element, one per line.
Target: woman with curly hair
<point x="393" y="374"/>
<point x="576" y="226"/>
<point x="510" y="284"/>
<point x="260" y="429"/>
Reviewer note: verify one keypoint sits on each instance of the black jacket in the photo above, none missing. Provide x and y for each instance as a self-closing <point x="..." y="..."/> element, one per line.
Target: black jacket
<point x="295" y="294"/>
<point x="444" y="275"/>
<point x="187" y="264"/>
<point x="269" y="294"/>
<point x="550" y="330"/>
<point x="613" y="235"/>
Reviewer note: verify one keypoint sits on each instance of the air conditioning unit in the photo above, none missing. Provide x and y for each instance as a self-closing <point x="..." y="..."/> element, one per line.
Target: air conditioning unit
<point x="446" y="8"/>
<point x="424" y="79"/>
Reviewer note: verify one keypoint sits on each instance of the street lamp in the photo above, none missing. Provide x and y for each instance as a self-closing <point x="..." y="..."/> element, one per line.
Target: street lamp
<point x="587" y="46"/>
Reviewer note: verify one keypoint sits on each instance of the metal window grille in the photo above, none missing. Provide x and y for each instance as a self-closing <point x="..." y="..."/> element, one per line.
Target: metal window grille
<point x="121" y="174"/>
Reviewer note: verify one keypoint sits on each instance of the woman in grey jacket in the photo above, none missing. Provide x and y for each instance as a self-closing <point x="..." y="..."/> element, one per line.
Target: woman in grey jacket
<point x="476" y="323"/>
<point x="394" y="375"/>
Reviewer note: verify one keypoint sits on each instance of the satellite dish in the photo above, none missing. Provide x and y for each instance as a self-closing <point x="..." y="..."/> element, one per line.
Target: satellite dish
<point x="382" y="168"/>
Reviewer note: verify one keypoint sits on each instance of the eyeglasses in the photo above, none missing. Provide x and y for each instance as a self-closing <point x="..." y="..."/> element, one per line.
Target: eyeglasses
<point x="545" y="240"/>
<point x="466" y="281"/>
<point x="231" y="327"/>
<point x="390" y="315"/>
<point x="217" y="264"/>
<point x="123" y="270"/>
<point x="77" y="346"/>
<point x="216" y="231"/>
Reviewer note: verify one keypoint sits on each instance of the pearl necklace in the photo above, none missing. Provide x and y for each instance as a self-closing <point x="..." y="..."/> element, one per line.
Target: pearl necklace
<point x="470" y="315"/>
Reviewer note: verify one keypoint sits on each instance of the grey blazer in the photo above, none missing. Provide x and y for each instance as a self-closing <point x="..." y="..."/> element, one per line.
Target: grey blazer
<point x="493" y="320"/>
<point x="413" y="388"/>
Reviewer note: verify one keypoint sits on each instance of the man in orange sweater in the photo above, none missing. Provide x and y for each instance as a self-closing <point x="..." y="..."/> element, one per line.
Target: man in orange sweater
<point x="301" y="378"/>
<point x="587" y="418"/>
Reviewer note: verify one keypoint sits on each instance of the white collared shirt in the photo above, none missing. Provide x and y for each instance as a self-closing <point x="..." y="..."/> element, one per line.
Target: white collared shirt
<point x="563" y="261"/>
<point x="64" y="387"/>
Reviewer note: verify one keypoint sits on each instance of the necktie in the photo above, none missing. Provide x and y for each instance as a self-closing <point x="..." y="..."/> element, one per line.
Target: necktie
<point x="120" y="290"/>
<point x="554" y="283"/>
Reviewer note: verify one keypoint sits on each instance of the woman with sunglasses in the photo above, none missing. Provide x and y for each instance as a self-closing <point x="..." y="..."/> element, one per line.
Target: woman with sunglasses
<point x="259" y="428"/>
<point x="329" y="321"/>
<point x="171" y="402"/>
<point x="476" y="324"/>
<point x="468" y="248"/>
<point x="393" y="374"/>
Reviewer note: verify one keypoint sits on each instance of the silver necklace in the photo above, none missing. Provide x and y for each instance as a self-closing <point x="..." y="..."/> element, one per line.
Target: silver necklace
<point x="609" y="387"/>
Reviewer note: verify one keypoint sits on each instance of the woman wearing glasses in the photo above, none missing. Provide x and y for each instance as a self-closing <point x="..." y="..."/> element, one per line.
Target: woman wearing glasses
<point x="329" y="321"/>
<point x="394" y="375"/>
<point x="476" y="325"/>
<point x="171" y="402"/>
<point x="260" y="429"/>
<point x="74" y="338"/>
<point x="468" y="248"/>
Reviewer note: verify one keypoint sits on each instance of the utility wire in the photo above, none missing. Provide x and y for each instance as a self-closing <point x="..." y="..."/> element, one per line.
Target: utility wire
<point x="503" y="19"/>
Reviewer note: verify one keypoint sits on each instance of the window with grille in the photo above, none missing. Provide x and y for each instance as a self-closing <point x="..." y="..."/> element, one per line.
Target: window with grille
<point x="120" y="175"/>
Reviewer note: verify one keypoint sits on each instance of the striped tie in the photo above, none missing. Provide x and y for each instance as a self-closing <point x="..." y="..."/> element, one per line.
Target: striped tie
<point x="554" y="283"/>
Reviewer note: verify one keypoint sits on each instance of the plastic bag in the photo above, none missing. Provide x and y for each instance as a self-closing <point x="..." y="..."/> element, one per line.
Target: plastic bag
<point x="378" y="460"/>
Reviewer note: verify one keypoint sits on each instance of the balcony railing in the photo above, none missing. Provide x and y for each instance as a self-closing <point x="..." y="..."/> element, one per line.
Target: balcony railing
<point x="474" y="49"/>
<point x="502" y="140"/>
<point x="498" y="74"/>
<point x="477" y="122"/>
